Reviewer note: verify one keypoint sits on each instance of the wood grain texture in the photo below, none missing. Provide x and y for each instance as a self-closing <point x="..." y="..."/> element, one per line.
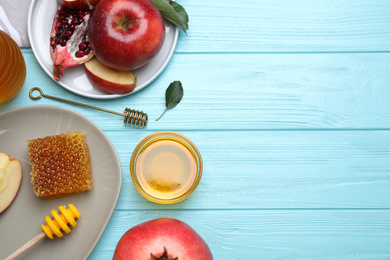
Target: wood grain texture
<point x="242" y="91"/>
<point x="288" y="103"/>
<point x="271" y="234"/>
<point x="277" y="169"/>
<point x="287" y="26"/>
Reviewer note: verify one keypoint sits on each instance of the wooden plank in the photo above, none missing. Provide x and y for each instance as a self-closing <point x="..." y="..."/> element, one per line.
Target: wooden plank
<point x="286" y="26"/>
<point x="277" y="169"/>
<point x="271" y="234"/>
<point x="257" y="91"/>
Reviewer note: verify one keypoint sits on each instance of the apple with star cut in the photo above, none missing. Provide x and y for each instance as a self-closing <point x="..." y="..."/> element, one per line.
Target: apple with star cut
<point x="126" y="34"/>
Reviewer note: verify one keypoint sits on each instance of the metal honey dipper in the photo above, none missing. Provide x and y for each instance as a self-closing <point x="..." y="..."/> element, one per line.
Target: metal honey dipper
<point x="53" y="226"/>
<point x="132" y="117"/>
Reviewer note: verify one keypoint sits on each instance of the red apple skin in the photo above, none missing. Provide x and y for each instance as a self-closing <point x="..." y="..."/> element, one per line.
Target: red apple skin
<point x="79" y="4"/>
<point x="126" y="34"/>
<point x="177" y="237"/>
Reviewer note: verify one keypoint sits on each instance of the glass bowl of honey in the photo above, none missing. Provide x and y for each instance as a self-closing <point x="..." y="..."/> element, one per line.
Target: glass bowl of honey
<point x="166" y="167"/>
<point x="12" y="68"/>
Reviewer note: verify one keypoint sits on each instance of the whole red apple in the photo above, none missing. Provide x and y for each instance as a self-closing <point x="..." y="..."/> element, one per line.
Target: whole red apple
<point x="126" y="34"/>
<point x="163" y="238"/>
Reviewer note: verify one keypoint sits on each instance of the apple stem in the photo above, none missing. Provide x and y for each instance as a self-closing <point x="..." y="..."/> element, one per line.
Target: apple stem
<point x="89" y="4"/>
<point x="128" y="24"/>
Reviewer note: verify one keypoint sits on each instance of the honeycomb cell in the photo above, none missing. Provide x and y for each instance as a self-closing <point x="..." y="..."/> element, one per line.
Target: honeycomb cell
<point x="61" y="165"/>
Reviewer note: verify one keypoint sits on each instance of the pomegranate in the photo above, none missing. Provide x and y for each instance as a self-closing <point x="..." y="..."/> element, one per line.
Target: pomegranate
<point x="79" y="4"/>
<point x="69" y="44"/>
<point x="162" y="239"/>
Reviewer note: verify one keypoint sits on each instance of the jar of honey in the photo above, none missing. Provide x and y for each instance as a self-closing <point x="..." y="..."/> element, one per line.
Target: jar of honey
<point x="12" y="68"/>
<point x="166" y="167"/>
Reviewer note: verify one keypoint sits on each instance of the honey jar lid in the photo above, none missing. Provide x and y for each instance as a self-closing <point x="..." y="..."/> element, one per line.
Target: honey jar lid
<point x="166" y="167"/>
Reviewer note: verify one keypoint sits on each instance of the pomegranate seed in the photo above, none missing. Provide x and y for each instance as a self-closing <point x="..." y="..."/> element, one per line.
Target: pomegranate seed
<point x="79" y="54"/>
<point x="68" y="33"/>
<point x="82" y="46"/>
<point x="86" y="52"/>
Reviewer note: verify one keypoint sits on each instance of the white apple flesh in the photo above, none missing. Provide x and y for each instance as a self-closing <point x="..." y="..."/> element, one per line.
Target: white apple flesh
<point x="10" y="180"/>
<point x="109" y="80"/>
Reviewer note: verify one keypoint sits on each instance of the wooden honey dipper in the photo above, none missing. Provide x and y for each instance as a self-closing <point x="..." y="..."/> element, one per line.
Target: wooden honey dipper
<point x="53" y="226"/>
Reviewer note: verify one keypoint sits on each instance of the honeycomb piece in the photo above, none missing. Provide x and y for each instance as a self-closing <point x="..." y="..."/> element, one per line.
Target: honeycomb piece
<point x="61" y="165"/>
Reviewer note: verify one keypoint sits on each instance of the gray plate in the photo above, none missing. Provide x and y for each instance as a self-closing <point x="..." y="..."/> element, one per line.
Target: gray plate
<point x="40" y="20"/>
<point x="23" y="218"/>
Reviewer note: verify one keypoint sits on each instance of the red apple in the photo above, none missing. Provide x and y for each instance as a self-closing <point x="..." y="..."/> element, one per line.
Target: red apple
<point x="109" y="80"/>
<point x="163" y="238"/>
<point x="79" y="4"/>
<point x="10" y="180"/>
<point x="126" y="34"/>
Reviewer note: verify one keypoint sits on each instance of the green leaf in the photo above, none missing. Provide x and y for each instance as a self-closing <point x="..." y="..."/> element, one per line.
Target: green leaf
<point x="173" y="95"/>
<point x="181" y="12"/>
<point x="173" y="12"/>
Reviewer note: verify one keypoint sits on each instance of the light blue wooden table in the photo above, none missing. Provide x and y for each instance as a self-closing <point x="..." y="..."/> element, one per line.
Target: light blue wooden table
<point x="289" y="105"/>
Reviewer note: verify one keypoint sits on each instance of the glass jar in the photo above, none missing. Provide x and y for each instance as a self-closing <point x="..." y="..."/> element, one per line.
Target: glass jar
<point x="166" y="167"/>
<point x="12" y="68"/>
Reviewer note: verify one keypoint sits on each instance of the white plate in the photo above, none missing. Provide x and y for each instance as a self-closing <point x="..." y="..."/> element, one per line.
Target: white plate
<point x="40" y="20"/>
<point x="21" y="221"/>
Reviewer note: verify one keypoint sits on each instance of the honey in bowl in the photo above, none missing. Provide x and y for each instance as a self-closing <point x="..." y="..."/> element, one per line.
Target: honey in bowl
<point x="166" y="167"/>
<point x="12" y="68"/>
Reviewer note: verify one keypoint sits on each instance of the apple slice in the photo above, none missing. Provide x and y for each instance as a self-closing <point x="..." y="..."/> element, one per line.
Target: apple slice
<point x="10" y="180"/>
<point x="109" y="80"/>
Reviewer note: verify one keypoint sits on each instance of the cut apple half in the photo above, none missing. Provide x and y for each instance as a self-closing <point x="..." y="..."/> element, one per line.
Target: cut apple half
<point x="10" y="180"/>
<point x="109" y="80"/>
